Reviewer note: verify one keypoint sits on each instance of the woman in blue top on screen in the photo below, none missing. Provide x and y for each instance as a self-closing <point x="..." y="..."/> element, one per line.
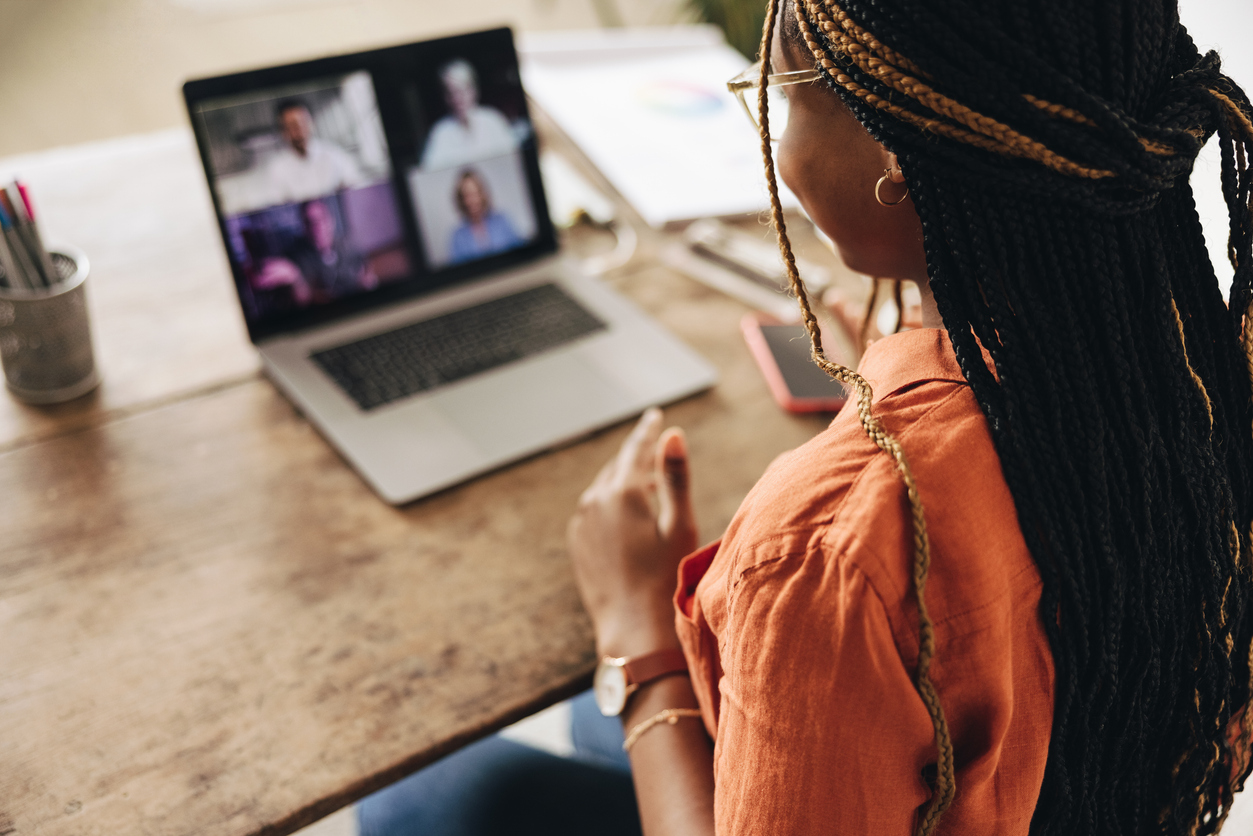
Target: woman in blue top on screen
<point x="483" y="230"/>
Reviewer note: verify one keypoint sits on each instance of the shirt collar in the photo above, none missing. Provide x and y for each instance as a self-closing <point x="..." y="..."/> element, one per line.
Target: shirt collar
<point x="901" y="360"/>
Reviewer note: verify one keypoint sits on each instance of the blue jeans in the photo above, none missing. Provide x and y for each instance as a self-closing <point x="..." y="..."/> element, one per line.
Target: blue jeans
<point x="498" y="787"/>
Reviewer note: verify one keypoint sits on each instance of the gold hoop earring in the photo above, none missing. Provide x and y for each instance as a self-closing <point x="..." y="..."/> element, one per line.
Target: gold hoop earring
<point x="887" y="172"/>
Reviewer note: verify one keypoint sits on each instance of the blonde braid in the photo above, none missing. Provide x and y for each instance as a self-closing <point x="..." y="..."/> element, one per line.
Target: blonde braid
<point x="869" y="40"/>
<point x="1238" y="116"/>
<point x="905" y="115"/>
<point x="1060" y="111"/>
<point x="1072" y="115"/>
<point x="1246" y="727"/>
<point x="1246" y="340"/>
<point x="1196" y="378"/>
<point x="982" y="131"/>
<point x="1242" y="126"/>
<point x="945" y="785"/>
<point x="1215" y="757"/>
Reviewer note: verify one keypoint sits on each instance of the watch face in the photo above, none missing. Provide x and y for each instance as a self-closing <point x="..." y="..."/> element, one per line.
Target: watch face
<point x="610" y="688"/>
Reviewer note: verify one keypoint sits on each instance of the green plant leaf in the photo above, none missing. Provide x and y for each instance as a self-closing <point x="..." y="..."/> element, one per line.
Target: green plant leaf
<point x="740" y="20"/>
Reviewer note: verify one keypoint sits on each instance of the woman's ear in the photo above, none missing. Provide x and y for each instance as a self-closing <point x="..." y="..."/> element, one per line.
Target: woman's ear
<point x="894" y="170"/>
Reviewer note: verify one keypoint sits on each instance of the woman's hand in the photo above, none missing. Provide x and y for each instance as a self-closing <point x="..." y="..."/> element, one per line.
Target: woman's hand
<point x="633" y="525"/>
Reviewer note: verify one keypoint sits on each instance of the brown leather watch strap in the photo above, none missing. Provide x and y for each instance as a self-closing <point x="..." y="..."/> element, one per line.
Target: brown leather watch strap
<point x="650" y="666"/>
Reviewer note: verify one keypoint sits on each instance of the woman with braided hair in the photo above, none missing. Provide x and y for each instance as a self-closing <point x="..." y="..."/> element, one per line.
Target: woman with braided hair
<point x="1008" y="590"/>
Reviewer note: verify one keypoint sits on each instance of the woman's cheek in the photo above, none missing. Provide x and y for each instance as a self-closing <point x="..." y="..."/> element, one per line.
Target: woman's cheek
<point x="801" y="172"/>
<point x="786" y="165"/>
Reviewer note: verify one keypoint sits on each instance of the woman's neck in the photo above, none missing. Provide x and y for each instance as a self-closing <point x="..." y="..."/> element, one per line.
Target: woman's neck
<point x="930" y="313"/>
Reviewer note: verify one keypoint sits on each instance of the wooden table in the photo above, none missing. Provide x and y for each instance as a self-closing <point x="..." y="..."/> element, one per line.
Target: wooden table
<point x="208" y="624"/>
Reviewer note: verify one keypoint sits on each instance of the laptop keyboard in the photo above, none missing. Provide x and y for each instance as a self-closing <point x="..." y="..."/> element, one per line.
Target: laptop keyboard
<point x="389" y="366"/>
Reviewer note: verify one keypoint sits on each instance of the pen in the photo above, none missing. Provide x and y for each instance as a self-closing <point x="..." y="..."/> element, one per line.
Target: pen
<point x="21" y="224"/>
<point x="20" y="240"/>
<point x="40" y="251"/>
<point x="24" y="275"/>
<point x="22" y="190"/>
<point x="7" y="264"/>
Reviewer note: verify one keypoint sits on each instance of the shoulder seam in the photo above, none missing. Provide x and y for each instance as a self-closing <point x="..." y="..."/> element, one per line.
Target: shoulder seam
<point x="874" y="460"/>
<point x="831" y="521"/>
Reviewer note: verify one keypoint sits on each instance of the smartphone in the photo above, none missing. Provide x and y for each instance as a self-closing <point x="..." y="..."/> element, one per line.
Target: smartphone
<point x="784" y="356"/>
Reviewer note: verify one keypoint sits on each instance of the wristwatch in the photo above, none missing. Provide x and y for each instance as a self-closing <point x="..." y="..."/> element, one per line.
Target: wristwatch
<point x="618" y="678"/>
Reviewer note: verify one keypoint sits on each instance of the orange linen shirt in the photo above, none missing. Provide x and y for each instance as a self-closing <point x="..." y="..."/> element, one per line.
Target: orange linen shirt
<point x="801" y="627"/>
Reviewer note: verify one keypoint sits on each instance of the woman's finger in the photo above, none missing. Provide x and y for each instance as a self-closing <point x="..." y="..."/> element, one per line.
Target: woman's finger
<point x="674" y="477"/>
<point x="612" y="469"/>
<point x="637" y="451"/>
<point x="603" y="477"/>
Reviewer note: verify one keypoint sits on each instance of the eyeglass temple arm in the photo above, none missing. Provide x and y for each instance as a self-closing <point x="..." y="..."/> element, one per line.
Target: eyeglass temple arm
<point x="774" y="80"/>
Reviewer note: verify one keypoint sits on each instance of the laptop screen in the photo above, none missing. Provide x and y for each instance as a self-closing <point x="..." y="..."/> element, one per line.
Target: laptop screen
<point x="355" y="181"/>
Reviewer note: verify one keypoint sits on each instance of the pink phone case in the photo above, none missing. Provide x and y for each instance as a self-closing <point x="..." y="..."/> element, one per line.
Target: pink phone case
<point x="751" y="326"/>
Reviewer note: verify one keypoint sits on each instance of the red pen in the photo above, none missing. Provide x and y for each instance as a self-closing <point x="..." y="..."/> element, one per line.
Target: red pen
<point x="30" y="207"/>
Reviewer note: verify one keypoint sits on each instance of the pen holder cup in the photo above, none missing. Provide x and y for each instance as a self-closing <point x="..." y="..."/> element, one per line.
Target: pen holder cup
<point x="45" y="336"/>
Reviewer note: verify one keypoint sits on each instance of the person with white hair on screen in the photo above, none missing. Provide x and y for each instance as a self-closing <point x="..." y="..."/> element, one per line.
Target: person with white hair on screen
<point x="471" y="131"/>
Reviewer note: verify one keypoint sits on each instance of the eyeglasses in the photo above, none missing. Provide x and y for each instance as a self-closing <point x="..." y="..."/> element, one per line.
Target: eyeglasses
<point x="745" y="86"/>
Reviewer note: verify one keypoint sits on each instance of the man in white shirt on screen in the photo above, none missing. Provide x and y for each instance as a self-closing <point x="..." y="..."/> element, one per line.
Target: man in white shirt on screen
<point x="471" y="132"/>
<point x="307" y="167"/>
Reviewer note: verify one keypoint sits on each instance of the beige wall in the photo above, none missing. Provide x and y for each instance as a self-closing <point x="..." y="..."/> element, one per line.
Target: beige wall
<point x="76" y="70"/>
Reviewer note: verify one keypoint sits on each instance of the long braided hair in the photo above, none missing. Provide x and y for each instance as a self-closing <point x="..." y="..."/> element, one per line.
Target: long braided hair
<point x="1047" y="145"/>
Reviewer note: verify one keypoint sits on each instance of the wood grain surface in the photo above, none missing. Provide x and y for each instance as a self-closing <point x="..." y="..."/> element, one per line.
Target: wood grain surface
<point x="208" y="624"/>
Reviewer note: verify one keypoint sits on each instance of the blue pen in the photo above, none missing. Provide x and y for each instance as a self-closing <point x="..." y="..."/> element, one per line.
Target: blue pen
<point x="23" y="274"/>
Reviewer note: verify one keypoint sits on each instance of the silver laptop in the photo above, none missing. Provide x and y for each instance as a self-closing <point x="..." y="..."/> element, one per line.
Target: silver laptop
<point x="398" y="271"/>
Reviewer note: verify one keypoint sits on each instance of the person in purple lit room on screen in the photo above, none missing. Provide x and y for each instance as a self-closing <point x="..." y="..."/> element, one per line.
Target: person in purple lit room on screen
<point x="320" y="266"/>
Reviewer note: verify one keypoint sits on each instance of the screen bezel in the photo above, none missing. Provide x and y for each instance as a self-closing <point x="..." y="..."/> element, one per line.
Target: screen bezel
<point x="386" y="67"/>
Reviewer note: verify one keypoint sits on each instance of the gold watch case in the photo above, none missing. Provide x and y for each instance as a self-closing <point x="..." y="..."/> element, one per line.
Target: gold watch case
<point x="610" y="686"/>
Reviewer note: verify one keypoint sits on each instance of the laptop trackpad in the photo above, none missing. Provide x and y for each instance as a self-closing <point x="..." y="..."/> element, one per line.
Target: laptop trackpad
<point x="509" y="410"/>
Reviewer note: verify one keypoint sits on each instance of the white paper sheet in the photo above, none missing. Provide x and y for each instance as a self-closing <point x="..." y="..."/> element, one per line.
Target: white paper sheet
<point x="660" y="124"/>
